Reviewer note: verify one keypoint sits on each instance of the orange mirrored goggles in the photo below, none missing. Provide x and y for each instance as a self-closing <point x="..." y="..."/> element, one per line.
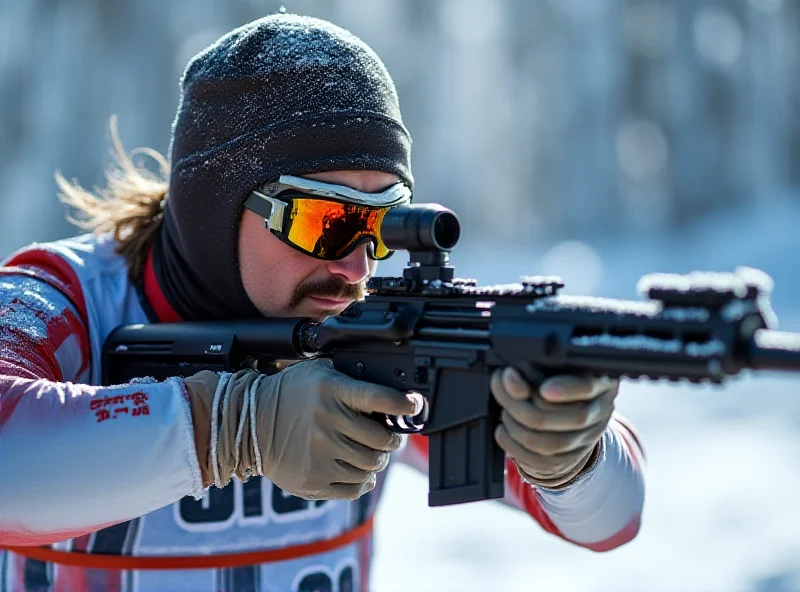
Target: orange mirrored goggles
<point x="324" y="220"/>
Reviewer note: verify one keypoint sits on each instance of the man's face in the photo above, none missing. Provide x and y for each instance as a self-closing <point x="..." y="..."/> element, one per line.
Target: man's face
<point x="281" y="281"/>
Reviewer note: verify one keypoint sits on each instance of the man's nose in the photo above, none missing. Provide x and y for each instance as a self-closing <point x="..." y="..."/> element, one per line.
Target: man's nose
<point x="354" y="267"/>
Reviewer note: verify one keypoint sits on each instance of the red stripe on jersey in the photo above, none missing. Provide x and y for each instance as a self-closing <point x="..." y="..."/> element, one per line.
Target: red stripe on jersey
<point x="81" y="544"/>
<point x="155" y="296"/>
<point x="19" y="570"/>
<point x="72" y="579"/>
<point x="81" y="579"/>
<point x="26" y="538"/>
<point x="631" y="439"/>
<point x="9" y="369"/>
<point x="9" y="397"/>
<point x="162" y="562"/>
<point x="37" y="356"/>
<point x="525" y="495"/>
<point x="112" y="580"/>
<point x="419" y="443"/>
<point x="53" y="269"/>
<point x="60" y="328"/>
<point x="625" y="535"/>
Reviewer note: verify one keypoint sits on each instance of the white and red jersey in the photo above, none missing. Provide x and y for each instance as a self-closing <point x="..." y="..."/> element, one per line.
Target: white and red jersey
<point x="101" y="487"/>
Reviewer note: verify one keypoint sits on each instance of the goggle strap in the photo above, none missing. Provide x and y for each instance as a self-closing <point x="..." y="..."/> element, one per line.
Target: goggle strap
<point x="270" y="209"/>
<point x="389" y="197"/>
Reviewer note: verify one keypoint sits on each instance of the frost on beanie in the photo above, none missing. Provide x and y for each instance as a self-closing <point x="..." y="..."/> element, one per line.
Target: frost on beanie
<point x="285" y="94"/>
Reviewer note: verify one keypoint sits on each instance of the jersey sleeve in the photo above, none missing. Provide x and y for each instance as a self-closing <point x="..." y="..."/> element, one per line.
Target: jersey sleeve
<point x="599" y="511"/>
<point x="77" y="458"/>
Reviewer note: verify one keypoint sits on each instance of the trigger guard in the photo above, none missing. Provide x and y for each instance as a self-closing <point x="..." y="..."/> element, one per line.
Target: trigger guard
<point x="408" y="424"/>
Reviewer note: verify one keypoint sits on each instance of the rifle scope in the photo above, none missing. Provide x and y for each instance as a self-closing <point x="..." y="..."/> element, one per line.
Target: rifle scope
<point x="420" y="227"/>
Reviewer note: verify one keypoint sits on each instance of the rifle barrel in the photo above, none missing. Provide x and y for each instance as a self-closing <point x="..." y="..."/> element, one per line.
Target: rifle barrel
<point x="775" y="350"/>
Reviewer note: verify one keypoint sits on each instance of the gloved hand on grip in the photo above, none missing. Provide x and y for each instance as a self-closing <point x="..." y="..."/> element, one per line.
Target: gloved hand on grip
<point x="552" y="435"/>
<point x="305" y="428"/>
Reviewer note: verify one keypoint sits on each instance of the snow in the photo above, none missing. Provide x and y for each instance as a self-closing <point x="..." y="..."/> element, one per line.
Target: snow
<point x="594" y="304"/>
<point x="777" y="339"/>
<point x="629" y="342"/>
<point x="696" y="280"/>
<point x="653" y="344"/>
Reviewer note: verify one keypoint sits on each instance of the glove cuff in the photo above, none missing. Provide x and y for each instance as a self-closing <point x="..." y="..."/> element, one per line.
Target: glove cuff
<point x="558" y="482"/>
<point x="200" y="389"/>
<point x="223" y="412"/>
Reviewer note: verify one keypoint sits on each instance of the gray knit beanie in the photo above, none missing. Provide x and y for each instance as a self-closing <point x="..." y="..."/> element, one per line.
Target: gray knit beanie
<point x="285" y="94"/>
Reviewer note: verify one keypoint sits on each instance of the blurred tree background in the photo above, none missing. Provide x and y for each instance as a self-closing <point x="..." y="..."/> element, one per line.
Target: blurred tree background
<point x="586" y="117"/>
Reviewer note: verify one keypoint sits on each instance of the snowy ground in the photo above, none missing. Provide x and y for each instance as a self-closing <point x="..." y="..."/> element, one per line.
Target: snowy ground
<point x="721" y="511"/>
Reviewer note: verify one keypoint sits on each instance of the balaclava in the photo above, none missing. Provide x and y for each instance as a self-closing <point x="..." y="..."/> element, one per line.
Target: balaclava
<point x="285" y="94"/>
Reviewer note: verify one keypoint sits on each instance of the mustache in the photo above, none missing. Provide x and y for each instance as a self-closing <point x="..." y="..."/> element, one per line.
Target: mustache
<point x="328" y="288"/>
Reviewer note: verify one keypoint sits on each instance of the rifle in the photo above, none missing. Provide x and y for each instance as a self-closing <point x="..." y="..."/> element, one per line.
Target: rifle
<point x="443" y="337"/>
